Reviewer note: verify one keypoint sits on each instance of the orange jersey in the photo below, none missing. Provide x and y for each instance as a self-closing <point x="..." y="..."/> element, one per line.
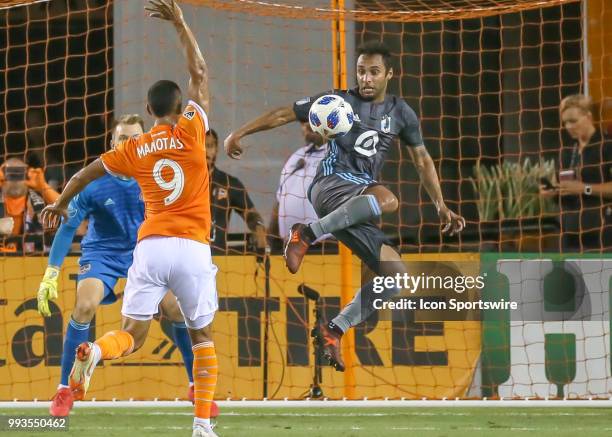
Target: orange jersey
<point x="169" y="163"/>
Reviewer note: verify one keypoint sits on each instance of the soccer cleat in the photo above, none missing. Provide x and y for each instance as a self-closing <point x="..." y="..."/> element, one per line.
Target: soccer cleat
<point x="61" y="403"/>
<point x="296" y="247"/>
<point x="331" y="347"/>
<point x="203" y="431"/>
<point x="82" y="369"/>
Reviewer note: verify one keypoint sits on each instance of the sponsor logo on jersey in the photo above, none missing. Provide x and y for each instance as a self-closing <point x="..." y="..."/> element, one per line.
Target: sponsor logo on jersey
<point x="385" y="124"/>
<point x="84" y="269"/>
<point x="366" y="143"/>
<point x="189" y="114"/>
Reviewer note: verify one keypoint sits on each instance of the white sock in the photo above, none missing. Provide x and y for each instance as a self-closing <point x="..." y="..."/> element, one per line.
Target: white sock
<point x="60" y="386"/>
<point x="97" y="353"/>
<point x="200" y="421"/>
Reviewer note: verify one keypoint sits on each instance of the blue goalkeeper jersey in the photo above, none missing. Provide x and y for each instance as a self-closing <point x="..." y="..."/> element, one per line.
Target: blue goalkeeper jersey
<point x="115" y="210"/>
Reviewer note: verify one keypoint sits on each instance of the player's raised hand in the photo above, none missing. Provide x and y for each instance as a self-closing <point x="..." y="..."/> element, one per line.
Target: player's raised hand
<point x="47" y="290"/>
<point x="232" y="146"/>
<point x="165" y="10"/>
<point x="452" y="222"/>
<point x="52" y="215"/>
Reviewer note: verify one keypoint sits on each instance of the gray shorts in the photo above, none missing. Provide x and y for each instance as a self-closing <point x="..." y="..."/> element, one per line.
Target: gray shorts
<point x="328" y="193"/>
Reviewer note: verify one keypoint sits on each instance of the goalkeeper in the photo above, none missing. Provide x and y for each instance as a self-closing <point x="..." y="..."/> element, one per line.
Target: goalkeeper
<point x="115" y="210"/>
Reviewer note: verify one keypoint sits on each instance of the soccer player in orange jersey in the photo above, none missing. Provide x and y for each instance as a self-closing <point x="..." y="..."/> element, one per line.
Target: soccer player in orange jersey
<point x="173" y="252"/>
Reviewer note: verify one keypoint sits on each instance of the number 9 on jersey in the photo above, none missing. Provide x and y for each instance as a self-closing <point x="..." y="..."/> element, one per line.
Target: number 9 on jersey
<point x="176" y="184"/>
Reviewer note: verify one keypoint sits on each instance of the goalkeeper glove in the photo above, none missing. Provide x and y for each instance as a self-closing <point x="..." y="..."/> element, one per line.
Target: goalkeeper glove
<point x="47" y="290"/>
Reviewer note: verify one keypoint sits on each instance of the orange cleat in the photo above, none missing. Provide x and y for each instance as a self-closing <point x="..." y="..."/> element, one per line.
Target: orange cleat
<point x="61" y="403"/>
<point x="82" y="369"/>
<point x="331" y="347"/>
<point x="296" y="247"/>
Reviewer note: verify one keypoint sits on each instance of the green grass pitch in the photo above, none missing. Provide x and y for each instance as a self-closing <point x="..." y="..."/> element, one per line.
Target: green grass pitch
<point x="340" y="422"/>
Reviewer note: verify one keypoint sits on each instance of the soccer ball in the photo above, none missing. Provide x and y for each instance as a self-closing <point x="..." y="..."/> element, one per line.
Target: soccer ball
<point x="331" y="116"/>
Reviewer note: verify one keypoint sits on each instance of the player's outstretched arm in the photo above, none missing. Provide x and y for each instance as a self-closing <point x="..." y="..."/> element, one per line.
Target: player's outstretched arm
<point x="52" y="214"/>
<point x="269" y="120"/>
<point x="198" y="71"/>
<point x="429" y="178"/>
<point x="47" y="289"/>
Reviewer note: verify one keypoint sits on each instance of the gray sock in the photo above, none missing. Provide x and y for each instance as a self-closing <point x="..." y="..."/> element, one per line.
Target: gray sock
<point x="357" y="210"/>
<point x="361" y="307"/>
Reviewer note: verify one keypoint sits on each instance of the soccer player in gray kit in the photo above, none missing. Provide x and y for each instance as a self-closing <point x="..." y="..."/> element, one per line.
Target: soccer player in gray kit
<point x="345" y="194"/>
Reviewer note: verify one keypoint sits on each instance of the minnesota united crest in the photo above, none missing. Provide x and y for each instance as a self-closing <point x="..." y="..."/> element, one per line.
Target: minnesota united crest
<point x="385" y="124"/>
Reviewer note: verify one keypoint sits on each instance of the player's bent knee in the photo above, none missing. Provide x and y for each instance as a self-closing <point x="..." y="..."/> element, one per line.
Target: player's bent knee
<point x="387" y="201"/>
<point x="84" y="311"/>
<point x="392" y="204"/>
<point x="90" y="292"/>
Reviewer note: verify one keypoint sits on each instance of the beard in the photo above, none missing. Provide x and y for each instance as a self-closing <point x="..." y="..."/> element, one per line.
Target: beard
<point x="367" y="98"/>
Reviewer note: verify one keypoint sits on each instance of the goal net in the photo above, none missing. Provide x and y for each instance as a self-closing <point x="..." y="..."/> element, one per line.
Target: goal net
<point x="485" y="77"/>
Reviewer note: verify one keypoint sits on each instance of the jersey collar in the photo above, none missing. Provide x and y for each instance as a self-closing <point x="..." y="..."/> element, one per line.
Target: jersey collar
<point x="160" y="127"/>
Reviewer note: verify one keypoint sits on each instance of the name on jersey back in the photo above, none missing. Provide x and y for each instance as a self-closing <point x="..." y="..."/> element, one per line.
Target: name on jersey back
<point x="159" y="144"/>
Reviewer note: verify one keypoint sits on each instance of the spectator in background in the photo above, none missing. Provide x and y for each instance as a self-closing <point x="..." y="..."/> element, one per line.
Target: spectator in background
<point x="24" y="194"/>
<point x="228" y="194"/>
<point x="36" y="145"/>
<point x="585" y="180"/>
<point x="292" y="204"/>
